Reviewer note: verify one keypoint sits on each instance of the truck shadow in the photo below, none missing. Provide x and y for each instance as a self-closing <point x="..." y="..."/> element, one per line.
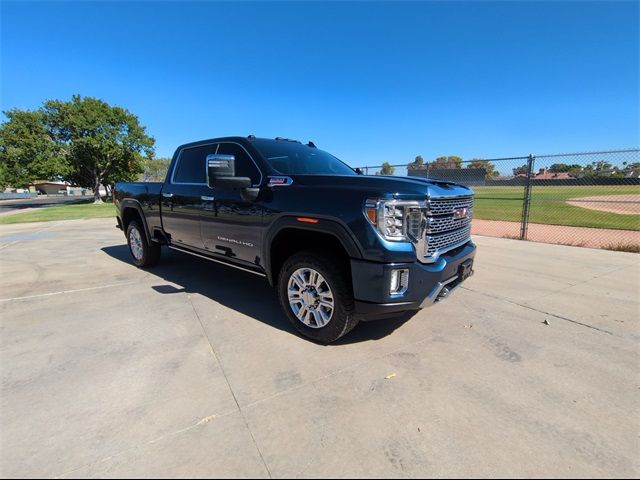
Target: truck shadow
<point x="240" y="291"/>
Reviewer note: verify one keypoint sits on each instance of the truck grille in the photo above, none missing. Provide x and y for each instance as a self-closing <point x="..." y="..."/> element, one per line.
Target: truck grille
<point x="444" y="241"/>
<point x="444" y="206"/>
<point x="447" y="223"/>
<point x="443" y="230"/>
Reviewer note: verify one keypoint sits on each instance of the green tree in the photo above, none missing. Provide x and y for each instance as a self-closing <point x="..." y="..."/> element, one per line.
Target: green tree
<point x="563" y="167"/>
<point x="520" y="170"/>
<point x="600" y="168"/>
<point x="386" y="169"/>
<point x="631" y="168"/>
<point x="27" y="150"/>
<point x="103" y="143"/>
<point x="417" y="164"/>
<point x="155" y="169"/>
<point x="490" y="168"/>
<point x="451" y="161"/>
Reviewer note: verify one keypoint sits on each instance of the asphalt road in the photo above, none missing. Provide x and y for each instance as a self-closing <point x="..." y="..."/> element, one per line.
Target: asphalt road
<point x="190" y="369"/>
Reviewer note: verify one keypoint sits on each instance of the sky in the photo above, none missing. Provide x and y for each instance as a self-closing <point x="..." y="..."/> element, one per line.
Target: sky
<point x="367" y="81"/>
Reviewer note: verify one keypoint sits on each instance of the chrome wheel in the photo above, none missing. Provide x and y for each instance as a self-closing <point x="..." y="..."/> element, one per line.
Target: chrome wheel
<point x="310" y="297"/>
<point x="135" y="243"/>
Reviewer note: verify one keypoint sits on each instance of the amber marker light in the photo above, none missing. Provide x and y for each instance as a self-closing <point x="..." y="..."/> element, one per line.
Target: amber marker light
<point x="307" y="220"/>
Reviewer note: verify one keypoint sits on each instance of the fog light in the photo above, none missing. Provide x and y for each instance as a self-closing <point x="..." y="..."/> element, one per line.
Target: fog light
<point x="399" y="281"/>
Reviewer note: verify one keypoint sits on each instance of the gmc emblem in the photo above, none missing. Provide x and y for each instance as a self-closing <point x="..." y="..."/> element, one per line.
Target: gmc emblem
<point x="459" y="213"/>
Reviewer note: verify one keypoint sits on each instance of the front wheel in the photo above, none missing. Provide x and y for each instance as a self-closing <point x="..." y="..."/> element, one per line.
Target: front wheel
<point x="143" y="253"/>
<point x="316" y="294"/>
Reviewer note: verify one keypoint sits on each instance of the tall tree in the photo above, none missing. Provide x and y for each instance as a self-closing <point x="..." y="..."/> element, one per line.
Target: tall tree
<point x="103" y="144"/>
<point x="417" y="164"/>
<point x="490" y="168"/>
<point x="386" y="169"/>
<point x="521" y="170"/>
<point x="155" y="169"/>
<point x="27" y="150"/>
<point x="451" y="161"/>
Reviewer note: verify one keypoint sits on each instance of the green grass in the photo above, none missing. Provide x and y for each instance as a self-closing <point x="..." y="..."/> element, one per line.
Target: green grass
<point x="74" y="211"/>
<point x="548" y="206"/>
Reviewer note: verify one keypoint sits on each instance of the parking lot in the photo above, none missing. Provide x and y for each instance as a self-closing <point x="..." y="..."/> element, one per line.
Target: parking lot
<point x="190" y="369"/>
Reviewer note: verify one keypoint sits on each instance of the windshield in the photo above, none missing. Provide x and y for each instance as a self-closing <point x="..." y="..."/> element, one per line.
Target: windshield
<point x="289" y="158"/>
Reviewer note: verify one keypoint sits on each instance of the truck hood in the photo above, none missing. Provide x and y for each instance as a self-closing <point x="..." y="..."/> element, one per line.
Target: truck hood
<point x="398" y="187"/>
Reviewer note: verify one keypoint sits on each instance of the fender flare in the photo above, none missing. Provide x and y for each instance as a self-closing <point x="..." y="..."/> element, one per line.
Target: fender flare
<point x="135" y="204"/>
<point x="326" y="225"/>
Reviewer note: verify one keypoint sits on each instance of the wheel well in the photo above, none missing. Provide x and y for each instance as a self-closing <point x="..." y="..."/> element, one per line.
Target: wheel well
<point x="291" y="240"/>
<point x="129" y="214"/>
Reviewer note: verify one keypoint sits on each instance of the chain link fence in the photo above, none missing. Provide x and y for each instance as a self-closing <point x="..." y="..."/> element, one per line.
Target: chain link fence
<point x="589" y="199"/>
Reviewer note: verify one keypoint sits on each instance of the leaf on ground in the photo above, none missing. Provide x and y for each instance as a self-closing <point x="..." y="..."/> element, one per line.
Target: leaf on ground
<point x="206" y="419"/>
<point x="389" y="377"/>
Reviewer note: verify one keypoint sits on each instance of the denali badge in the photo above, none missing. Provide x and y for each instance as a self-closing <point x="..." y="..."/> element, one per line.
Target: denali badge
<point x="459" y="213"/>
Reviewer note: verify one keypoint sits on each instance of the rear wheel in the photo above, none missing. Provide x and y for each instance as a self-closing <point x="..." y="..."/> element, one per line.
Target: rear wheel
<point x="143" y="253"/>
<point x="316" y="294"/>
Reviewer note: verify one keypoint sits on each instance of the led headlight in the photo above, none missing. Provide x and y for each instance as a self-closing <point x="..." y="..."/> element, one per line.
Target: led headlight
<point x="395" y="220"/>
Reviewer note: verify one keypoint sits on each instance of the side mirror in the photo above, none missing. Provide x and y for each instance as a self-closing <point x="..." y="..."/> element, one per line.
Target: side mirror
<point x="221" y="174"/>
<point x="220" y="167"/>
<point x="359" y="171"/>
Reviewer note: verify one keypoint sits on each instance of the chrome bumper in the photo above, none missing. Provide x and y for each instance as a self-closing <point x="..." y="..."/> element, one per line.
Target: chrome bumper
<point x="442" y="290"/>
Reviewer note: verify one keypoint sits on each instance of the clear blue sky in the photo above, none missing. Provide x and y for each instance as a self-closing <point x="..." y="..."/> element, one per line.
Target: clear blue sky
<point x="369" y="82"/>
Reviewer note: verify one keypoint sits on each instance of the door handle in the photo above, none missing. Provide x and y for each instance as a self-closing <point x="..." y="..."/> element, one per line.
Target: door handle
<point x="167" y="195"/>
<point x="207" y="199"/>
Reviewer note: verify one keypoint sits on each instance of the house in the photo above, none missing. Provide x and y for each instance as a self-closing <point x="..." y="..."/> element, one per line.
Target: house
<point x="544" y="174"/>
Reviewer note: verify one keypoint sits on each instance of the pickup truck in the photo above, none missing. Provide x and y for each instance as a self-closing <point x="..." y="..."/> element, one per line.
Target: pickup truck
<point x="339" y="246"/>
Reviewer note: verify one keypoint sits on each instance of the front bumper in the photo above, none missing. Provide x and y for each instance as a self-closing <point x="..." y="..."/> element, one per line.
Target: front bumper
<point x="428" y="283"/>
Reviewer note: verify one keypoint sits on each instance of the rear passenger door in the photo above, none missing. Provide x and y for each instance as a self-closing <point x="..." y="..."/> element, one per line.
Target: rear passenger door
<point x="233" y="227"/>
<point x="186" y="195"/>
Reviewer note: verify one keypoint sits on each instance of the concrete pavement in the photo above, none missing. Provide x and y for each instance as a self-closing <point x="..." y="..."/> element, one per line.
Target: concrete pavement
<point x="190" y="369"/>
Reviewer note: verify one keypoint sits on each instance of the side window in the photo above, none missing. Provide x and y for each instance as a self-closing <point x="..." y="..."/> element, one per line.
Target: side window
<point x="192" y="164"/>
<point x="244" y="165"/>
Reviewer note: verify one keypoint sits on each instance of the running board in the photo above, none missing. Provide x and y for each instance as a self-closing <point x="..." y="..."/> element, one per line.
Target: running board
<point x="189" y="252"/>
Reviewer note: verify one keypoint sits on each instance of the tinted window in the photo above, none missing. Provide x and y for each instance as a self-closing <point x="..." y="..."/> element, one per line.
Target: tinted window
<point x="244" y="165"/>
<point x="192" y="165"/>
<point x="295" y="158"/>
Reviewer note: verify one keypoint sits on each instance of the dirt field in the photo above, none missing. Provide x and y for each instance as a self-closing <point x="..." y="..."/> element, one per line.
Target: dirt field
<point x="560" y="234"/>
<point x="622" y="204"/>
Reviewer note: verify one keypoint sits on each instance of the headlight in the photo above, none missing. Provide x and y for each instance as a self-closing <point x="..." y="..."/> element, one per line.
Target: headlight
<point x="395" y="220"/>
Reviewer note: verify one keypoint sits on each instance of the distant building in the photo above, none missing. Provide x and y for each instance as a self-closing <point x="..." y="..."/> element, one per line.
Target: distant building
<point x="51" y="188"/>
<point x="62" y="188"/>
<point x="545" y="174"/>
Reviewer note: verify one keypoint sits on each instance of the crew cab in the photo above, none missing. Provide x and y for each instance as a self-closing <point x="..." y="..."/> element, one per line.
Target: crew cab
<point x="339" y="246"/>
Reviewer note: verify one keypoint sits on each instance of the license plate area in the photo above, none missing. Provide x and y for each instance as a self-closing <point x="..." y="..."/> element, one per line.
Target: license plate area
<point x="465" y="270"/>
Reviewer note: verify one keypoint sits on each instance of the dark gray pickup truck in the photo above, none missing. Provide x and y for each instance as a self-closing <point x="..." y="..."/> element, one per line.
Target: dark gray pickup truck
<point x="339" y="246"/>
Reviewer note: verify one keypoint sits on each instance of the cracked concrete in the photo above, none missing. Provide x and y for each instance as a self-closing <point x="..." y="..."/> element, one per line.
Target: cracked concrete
<point x="189" y="369"/>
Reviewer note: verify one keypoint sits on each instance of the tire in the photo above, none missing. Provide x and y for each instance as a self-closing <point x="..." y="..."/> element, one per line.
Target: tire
<point x="310" y="313"/>
<point x="142" y="253"/>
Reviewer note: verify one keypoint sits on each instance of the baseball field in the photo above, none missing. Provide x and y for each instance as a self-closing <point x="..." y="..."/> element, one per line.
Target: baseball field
<point x="580" y="206"/>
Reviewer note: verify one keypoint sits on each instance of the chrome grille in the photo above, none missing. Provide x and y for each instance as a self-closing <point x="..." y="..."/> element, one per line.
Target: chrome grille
<point x="444" y="206"/>
<point x="443" y="231"/>
<point x="445" y="241"/>
<point x="446" y="223"/>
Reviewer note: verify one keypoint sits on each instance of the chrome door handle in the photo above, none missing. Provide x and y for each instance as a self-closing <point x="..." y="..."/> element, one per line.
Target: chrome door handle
<point x="207" y="199"/>
<point x="167" y="195"/>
